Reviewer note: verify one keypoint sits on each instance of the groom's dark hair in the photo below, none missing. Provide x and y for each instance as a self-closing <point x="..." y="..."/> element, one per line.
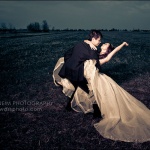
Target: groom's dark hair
<point x="95" y="34"/>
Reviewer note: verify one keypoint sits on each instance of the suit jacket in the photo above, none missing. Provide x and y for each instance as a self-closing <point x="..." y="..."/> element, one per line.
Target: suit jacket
<point x="73" y="68"/>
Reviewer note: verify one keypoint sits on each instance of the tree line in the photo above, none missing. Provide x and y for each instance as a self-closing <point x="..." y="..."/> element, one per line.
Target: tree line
<point x="36" y="27"/>
<point x="32" y="27"/>
<point x="44" y="27"/>
<point x="7" y="28"/>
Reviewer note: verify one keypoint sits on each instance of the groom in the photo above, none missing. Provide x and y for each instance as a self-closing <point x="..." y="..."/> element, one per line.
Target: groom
<point x="73" y="68"/>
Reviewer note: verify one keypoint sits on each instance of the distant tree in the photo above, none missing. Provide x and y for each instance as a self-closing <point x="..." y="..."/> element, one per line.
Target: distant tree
<point x="125" y="30"/>
<point x="53" y="28"/>
<point x="80" y="29"/>
<point x="113" y="29"/>
<point x="30" y="27"/>
<point x="3" y="27"/>
<point x="136" y="30"/>
<point x="7" y="28"/>
<point x="10" y="26"/>
<point x="104" y="29"/>
<point x="67" y="29"/>
<point x="34" y="27"/>
<point x="45" y="26"/>
<point x="37" y="26"/>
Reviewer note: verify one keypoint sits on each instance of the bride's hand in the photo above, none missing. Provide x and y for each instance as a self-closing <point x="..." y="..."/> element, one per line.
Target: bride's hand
<point x="92" y="46"/>
<point x="125" y="43"/>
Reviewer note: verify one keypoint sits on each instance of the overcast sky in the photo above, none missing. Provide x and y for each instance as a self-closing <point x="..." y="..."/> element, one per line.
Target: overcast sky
<point x="77" y="14"/>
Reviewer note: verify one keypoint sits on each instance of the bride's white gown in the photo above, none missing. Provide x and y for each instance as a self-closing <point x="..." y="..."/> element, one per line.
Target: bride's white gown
<point x="124" y="117"/>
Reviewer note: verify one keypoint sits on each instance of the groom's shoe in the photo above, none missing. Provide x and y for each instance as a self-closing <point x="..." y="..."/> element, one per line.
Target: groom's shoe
<point x="97" y="113"/>
<point x="68" y="106"/>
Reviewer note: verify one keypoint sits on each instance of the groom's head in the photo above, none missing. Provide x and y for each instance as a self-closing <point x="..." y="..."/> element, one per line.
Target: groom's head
<point x="95" y="37"/>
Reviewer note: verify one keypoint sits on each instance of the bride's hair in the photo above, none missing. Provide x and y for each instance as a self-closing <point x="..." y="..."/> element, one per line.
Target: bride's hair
<point x="110" y="49"/>
<point x="95" y="34"/>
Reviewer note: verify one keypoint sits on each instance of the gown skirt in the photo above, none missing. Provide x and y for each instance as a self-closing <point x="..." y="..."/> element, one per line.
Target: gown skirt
<point x="124" y="118"/>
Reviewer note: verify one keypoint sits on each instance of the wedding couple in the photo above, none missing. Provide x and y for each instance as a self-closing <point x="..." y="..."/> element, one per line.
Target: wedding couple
<point x="124" y="117"/>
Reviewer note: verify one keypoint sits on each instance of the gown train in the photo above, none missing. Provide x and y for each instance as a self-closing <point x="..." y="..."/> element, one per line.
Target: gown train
<point x="124" y="118"/>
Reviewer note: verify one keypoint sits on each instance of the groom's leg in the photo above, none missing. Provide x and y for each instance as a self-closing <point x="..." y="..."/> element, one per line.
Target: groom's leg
<point x="83" y="86"/>
<point x="68" y="106"/>
<point x="97" y="112"/>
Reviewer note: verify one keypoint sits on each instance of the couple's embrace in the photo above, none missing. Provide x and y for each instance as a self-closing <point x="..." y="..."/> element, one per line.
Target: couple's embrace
<point x="124" y="117"/>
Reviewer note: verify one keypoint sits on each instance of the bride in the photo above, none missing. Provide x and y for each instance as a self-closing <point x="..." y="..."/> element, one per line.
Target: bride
<point x="124" y="118"/>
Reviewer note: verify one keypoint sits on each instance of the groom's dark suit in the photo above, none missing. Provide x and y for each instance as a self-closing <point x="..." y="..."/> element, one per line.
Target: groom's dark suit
<point x="73" y="68"/>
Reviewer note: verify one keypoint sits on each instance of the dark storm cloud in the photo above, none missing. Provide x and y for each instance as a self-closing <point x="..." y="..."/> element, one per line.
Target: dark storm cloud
<point x="78" y="14"/>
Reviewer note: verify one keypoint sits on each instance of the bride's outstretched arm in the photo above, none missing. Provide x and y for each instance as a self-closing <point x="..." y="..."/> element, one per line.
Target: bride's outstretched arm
<point x="111" y="54"/>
